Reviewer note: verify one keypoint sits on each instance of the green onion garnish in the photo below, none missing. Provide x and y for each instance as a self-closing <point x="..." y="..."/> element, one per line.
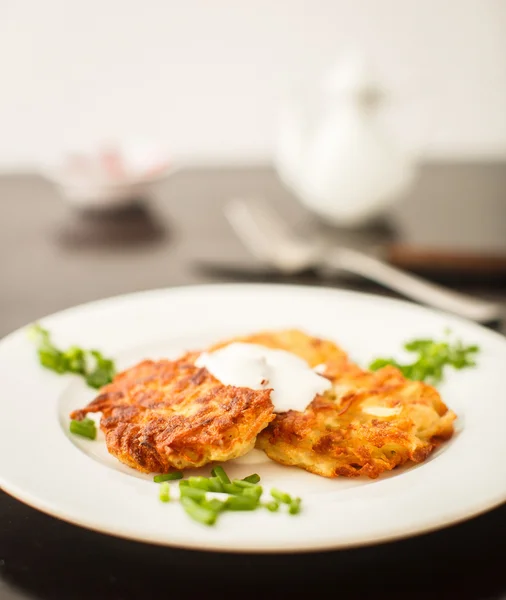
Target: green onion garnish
<point x="219" y="472"/>
<point x="201" y="483"/>
<point x="248" y="489"/>
<point x="431" y="360"/>
<point x="198" y="512"/>
<point x="242" y="484"/>
<point x="231" y="488"/>
<point x="164" y="493"/>
<point x="209" y="484"/>
<point x="252" y="478"/>
<point x="253" y="492"/>
<point x="168" y="476"/>
<point x="215" y="484"/>
<point x="101" y="373"/>
<point x="294" y="507"/>
<point x="281" y="496"/>
<point x="213" y="504"/>
<point x="90" y="364"/>
<point x="85" y="428"/>
<point x="194" y="493"/>
<point x="241" y="503"/>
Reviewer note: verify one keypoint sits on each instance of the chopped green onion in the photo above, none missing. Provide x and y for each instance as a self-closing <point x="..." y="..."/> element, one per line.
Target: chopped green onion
<point x="252" y="478"/>
<point x="168" y="476"/>
<point x="253" y="492"/>
<point x="231" y="488"/>
<point x="210" y="484"/>
<point x="213" y="504"/>
<point x="194" y="493"/>
<point x="294" y="507"/>
<point x="52" y="359"/>
<point x="215" y="484"/>
<point x="241" y="503"/>
<point x="281" y="496"/>
<point x="242" y="484"/>
<point x="197" y="512"/>
<point x="87" y="422"/>
<point x="76" y="360"/>
<point x="164" y="493"/>
<point x="85" y="428"/>
<point x="432" y="359"/>
<point x="103" y="372"/>
<point x="98" y="378"/>
<point x="243" y="494"/>
<point x="272" y="506"/>
<point x="39" y="335"/>
<point x="219" y="472"/>
<point x="201" y="483"/>
<point x="91" y="364"/>
<point x="248" y="489"/>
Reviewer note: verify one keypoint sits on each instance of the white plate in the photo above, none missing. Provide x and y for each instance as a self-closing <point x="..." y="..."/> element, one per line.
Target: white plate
<point x="76" y="480"/>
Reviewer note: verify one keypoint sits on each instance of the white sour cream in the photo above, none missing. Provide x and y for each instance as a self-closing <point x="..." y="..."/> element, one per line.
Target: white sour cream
<point x="292" y="380"/>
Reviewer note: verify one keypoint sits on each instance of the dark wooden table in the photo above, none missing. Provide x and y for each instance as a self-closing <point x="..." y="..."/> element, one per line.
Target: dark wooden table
<point x="51" y="259"/>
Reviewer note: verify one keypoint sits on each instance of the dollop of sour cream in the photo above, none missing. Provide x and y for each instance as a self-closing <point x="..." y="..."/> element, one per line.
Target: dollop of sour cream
<point x="292" y="380"/>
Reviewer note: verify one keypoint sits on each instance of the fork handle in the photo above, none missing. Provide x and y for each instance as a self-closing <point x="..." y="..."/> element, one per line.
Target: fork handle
<point x="414" y="287"/>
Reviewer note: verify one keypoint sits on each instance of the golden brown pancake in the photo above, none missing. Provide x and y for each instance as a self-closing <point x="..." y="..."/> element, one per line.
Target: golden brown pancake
<point x="162" y="415"/>
<point x="366" y="424"/>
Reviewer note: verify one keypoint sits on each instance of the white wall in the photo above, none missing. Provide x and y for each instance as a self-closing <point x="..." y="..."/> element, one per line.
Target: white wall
<point x="206" y="76"/>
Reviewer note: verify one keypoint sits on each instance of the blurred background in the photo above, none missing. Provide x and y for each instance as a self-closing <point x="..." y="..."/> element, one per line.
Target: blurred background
<point x="128" y="127"/>
<point x="206" y="79"/>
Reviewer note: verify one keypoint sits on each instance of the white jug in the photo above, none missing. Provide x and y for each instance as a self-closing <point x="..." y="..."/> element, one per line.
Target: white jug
<point x="340" y="162"/>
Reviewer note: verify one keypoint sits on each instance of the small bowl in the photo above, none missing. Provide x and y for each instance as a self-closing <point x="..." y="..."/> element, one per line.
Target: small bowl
<point x="108" y="178"/>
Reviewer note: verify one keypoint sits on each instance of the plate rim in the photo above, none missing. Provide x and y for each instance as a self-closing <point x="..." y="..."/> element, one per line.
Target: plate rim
<point x="296" y="287"/>
<point x="272" y="549"/>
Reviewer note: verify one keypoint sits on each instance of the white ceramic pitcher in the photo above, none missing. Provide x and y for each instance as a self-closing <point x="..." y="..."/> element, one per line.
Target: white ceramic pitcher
<point x="338" y="160"/>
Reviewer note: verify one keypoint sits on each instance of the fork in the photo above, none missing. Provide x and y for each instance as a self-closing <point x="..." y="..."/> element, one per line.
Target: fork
<point x="267" y="236"/>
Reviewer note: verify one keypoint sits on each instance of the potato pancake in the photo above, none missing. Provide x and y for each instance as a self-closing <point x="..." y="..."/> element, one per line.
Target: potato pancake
<point x="366" y="424"/>
<point x="165" y="415"/>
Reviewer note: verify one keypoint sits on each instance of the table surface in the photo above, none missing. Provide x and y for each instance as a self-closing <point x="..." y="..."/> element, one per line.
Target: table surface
<point x="52" y="258"/>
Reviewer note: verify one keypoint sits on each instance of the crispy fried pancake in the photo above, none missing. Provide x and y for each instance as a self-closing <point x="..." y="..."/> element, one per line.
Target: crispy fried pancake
<point x="366" y="424"/>
<point x="171" y="414"/>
